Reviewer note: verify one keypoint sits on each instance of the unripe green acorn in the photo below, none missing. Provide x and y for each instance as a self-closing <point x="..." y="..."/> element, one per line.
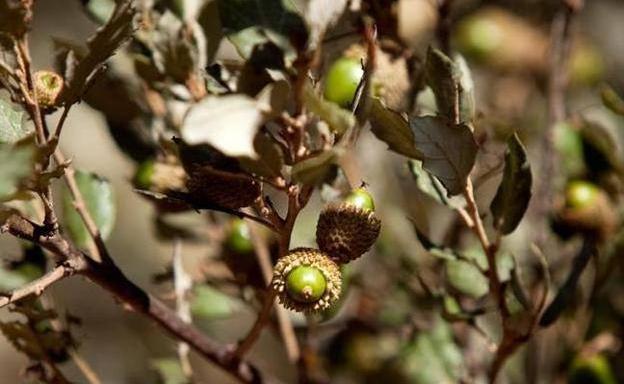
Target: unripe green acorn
<point x="360" y="198"/>
<point x="591" y="370"/>
<point x="144" y="174"/>
<point x="48" y="88"/>
<point x="238" y="238"/>
<point x="588" y="210"/>
<point x="342" y="81"/>
<point x="307" y="280"/>
<point x="305" y="284"/>
<point x="348" y="229"/>
<point x="581" y="194"/>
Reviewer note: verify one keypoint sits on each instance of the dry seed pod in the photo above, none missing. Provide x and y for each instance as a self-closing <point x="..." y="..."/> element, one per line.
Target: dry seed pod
<point x="348" y="229"/>
<point x="307" y="280"/>
<point x="226" y="189"/>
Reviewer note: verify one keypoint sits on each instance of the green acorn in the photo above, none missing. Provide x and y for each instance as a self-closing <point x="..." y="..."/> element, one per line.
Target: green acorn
<point x="307" y="280"/>
<point x="588" y="210"/>
<point x="348" y="229"/>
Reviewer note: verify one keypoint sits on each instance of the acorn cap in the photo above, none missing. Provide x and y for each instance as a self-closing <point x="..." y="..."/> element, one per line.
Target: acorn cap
<point x="48" y="87"/>
<point x="345" y="231"/>
<point x="311" y="258"/>
<point x="208" y="185"/>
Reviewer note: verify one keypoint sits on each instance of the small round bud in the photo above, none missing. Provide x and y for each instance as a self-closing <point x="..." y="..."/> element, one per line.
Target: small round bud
<point x="48" y="88"/>
<point x="306" y="284"/>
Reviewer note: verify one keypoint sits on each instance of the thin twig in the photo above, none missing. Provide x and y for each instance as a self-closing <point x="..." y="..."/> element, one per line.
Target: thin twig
<point x="182" y="285"/>
<point x="38" y="286"/>
<point x="287" y="330"/>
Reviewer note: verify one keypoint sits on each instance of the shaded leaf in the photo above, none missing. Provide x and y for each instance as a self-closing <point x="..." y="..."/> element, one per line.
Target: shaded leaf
<point x="452" y="85"/>
<point x="270" y="157"/>
<point x="566" y="292"/>
<point x="99" y="198"/>
<point x="600" y="148"/>
<point x="17" y="164"/>
<point x="250" y="22"/>
<point x="432" y="187"/>
<point x="315" y="169"/>
<point x="209" y="303"/>
<point x="338" y="119"/>
<point x="100" y="47"/>
<point x="612" y="100"/>
<point x="448" y="150"/>
<point x="15" y="17"/>
<point x="13" y="128"/>
<point x="228" y="123"/>
<point x="466" y="278"/>
<point x="514" y="191"/>
<point x="393" y="129"/>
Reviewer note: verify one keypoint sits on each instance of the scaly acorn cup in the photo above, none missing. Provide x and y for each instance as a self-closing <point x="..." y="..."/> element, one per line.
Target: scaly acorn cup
<point x="348" y="229"/>
<point x="307" y="280"/>
<point x="48" y="87"/>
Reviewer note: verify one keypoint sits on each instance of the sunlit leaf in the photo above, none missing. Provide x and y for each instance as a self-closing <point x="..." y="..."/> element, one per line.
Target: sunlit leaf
<point x="228" y="123"/>
<point x="320" y="15"/>
<point x="17" y="164"/>
<point x="99" y="198"/>
<point x="13" y="126"/>
<point x="514" y="192"/>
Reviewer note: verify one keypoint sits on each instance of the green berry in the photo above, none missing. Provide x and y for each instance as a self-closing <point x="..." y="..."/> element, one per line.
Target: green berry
<point x="239" y="238"/>
<point x="360" y="198"/>
<point x="144" y="174"/>
<point x="569" y="144"/>
<point x="306" y="284"/>
<point x="581" y="194"/>
<point x="591" y="370"/>
<point x="342" y="81"/>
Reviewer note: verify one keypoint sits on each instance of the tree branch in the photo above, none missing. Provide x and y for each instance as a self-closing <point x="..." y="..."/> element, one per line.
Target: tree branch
<point x="111" y="278"/>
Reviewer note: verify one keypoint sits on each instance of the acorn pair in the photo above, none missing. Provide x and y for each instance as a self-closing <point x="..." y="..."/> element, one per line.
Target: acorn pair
<point x="309" y="280"/>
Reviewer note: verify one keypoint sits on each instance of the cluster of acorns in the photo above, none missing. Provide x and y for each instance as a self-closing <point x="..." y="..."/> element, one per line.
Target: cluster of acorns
<point x="309" y="280"/>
